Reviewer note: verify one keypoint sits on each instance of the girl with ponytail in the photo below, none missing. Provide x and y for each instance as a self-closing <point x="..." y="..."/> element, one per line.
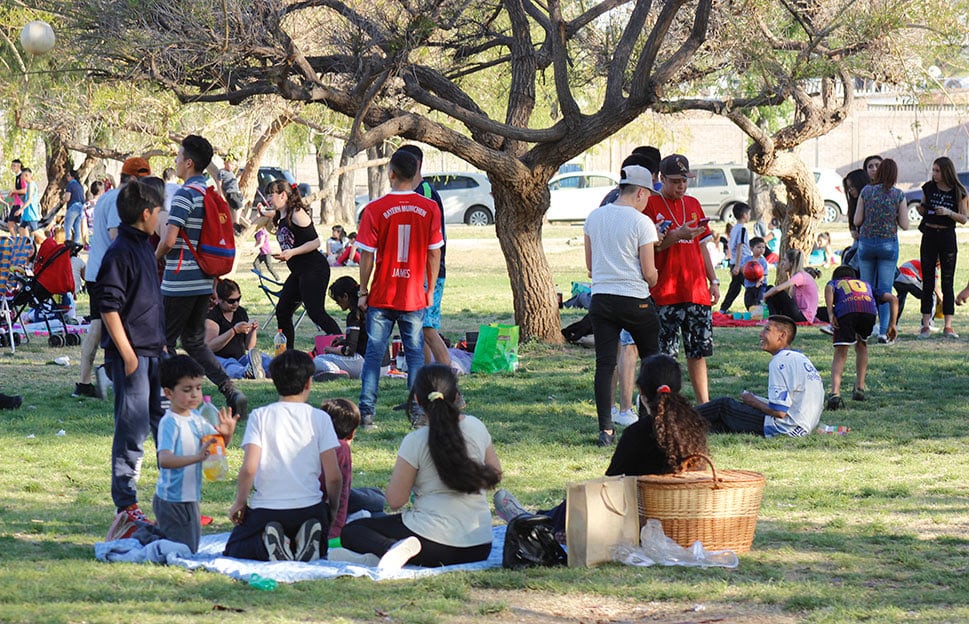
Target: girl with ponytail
<point x="668" y="431"/>
<point x="446" y="465"/>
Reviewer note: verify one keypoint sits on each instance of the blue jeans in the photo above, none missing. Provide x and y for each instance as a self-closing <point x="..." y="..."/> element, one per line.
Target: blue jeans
<point x="137" y="410"/>
<point x="878" y="258"/>
<point x="236" y="368"/>
<point x="72" y="222"/>
<point x="380" y="323"/>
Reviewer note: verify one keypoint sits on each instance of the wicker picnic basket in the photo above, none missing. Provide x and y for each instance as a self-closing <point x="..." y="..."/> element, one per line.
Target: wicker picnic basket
<point x="719" y="510"/>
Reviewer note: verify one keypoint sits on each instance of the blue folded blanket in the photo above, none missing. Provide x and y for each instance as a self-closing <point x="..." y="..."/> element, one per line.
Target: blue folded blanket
<point x="209" y="557"/>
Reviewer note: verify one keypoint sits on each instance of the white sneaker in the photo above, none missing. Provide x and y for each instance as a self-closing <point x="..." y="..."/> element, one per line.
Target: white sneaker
<point x="399" y="554"/>
<point x="625" y="418"/>
<point x="342" y="554"/>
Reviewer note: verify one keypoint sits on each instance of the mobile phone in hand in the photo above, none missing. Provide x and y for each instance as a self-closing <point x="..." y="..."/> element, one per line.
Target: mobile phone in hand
<point x="663" y="226"/>
<point x="703" y="221"/>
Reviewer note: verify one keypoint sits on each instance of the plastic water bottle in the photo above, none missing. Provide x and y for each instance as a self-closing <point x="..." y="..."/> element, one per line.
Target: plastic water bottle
<point x="209" y="412"/>
<point x="279" y="342"/>
<point x="265" y="584"/>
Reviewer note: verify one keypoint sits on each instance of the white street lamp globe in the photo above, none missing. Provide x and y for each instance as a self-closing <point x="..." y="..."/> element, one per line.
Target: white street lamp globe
<point x="37" y="37"/>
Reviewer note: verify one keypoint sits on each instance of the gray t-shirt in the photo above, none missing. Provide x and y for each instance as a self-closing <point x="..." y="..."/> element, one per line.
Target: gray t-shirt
<point x="441" y="514"/>
<point x="616" y="233"/>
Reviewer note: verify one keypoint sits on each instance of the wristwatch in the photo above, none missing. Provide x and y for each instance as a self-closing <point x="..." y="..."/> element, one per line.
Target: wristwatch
<point x="714" y="282"/>
<point x="362" y="293"/>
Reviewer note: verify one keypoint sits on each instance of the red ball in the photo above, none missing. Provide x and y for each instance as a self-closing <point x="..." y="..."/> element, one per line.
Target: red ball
<point x="753" y="271"/>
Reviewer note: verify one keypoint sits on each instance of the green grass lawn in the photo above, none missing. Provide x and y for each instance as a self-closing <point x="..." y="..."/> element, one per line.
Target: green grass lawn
<point x="871" y="526"/>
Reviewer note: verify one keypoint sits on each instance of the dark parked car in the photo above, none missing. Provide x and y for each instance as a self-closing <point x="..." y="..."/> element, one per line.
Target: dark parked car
<point x="913" y="197"/>
<point x="268" y="174"/>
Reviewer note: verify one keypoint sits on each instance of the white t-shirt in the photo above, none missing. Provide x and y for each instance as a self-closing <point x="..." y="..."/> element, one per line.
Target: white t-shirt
<point x="793" y="386"/>
<point x="105" y="219"/>
<point x="738" y="236"/>
<point x="291" y="437"/>
<point x="441" y="514"/>
<point x="616" y="233"/>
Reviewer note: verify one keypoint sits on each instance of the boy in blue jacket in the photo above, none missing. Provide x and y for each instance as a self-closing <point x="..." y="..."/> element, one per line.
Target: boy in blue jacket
<point x="132" y="313"/>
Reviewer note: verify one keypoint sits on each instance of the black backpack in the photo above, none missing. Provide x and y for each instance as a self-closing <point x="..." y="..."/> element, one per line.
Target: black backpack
<point x="530" y="541"/>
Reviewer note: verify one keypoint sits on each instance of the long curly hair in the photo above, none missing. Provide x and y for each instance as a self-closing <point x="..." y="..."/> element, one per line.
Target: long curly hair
<point x="679" y="429"/>
<point x="448" y="448"/>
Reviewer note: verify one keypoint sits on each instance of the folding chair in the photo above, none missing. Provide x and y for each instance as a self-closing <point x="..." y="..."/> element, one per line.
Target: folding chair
<point x="14" y="257"/>
<point x="272" y="288"/>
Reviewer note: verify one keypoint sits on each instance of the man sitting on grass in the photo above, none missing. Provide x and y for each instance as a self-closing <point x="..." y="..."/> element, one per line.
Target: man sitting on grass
<point x="795" y="393"/>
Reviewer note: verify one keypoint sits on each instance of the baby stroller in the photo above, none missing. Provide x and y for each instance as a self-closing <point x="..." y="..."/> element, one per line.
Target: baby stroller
<point x="14" y="258"/>
<point x="52" y="276"/>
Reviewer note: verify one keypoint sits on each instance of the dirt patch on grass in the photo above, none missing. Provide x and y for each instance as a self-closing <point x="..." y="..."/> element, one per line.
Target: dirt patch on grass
<point x="530" y="607"/>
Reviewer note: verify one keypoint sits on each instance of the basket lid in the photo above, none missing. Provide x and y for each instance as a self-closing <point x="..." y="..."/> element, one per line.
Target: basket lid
<point x="717" y="478"/>
<point x="699" y="476"/>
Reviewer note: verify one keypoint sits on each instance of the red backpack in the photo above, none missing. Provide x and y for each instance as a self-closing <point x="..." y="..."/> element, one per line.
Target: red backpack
<point x="217" y="241"/>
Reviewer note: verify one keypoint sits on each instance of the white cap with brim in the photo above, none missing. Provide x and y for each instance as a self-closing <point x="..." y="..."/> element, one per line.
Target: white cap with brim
<point x="637" y="175"/>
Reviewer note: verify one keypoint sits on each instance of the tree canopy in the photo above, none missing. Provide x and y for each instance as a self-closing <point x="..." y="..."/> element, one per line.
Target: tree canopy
<point x="515" y="87"/>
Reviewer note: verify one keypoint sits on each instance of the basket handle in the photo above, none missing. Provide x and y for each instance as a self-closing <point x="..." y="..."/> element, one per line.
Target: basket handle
<point x="688" y="458"/>
<point x="610" y="505"/>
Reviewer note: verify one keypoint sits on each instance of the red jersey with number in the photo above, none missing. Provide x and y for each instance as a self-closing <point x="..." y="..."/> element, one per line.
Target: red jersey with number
<point x="400" y="228"/>
<point x="682" y="274"/>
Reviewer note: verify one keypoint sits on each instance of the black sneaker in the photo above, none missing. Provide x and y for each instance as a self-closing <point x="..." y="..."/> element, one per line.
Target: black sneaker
<point x="835" y="402"/>
<point x="366" y="421"/>
<point x="308" y="541"/>
<point x="236" y="400"/>
<point x="85" y="390"/>
<point x="606" y="439"/>
<point x="8" y="401"/>
<point x="416" y="415"/>
<point x="274" y="538"/>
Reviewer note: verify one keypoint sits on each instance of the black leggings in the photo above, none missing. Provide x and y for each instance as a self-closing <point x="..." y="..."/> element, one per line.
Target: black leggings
<point x="938" y="246"/>
<point x="377" y="535"/>
<point x="782" y="303"/>
<point x="308" y="286"/>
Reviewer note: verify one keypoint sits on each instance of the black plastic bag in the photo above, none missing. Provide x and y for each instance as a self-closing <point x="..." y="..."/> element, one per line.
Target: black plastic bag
<point x="530" y="541"/>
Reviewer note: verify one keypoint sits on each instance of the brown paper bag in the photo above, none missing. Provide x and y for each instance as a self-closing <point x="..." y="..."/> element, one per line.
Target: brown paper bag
<point x="599" y="515"/>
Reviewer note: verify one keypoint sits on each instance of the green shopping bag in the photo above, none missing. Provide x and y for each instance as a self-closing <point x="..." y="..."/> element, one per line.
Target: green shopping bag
<point x="496" y="350"/>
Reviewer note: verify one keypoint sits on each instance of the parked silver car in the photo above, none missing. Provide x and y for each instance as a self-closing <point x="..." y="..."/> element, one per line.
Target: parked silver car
<point x="575" y="194"/>
<point x="718" y="187"/>
<point x="467" y="197"/>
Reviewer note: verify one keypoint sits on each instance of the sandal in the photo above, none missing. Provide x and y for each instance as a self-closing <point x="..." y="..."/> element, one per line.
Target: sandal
<point x="858" y="394"/>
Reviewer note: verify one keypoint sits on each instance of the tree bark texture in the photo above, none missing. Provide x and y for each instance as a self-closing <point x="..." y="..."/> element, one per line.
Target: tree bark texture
<point x="519" y="211"/>
<point x="58" y="162"/>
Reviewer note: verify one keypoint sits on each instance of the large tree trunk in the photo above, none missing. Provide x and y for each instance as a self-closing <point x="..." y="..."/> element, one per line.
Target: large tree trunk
<point x="324" y="172"/>
<point x="378" y="182"/>
<point x="58" y="162"/>
<point x="802" y="209"/>
<point x="249" y="178"/>
<point x="519" y="212"/>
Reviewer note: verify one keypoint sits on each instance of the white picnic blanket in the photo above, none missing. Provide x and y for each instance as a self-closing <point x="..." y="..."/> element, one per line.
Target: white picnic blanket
<point x="210" y="557"/>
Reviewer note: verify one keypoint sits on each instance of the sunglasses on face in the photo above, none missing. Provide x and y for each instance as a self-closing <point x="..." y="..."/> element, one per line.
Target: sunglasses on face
<point x="233" y="301"/>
